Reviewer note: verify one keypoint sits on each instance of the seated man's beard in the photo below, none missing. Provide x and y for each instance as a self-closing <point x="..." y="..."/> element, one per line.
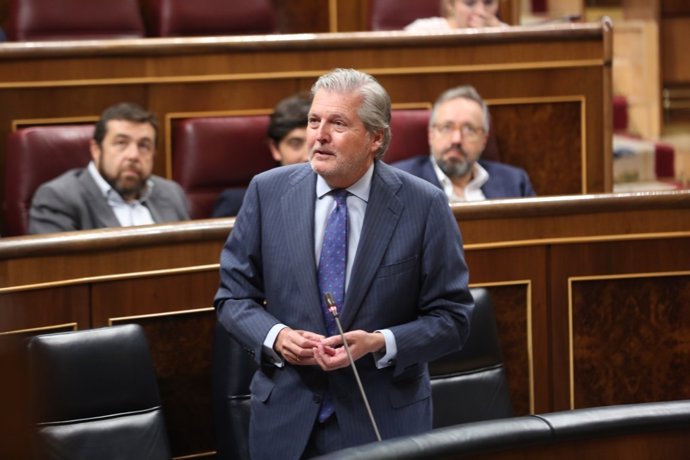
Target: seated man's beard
<point x="128" y="190"/>
<point x="454" y="169"/>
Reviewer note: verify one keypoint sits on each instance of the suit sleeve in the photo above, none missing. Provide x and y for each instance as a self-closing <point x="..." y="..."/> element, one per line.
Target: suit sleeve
<point x="51" y="212"/>
<point x="239" y="300"/>
<point x="445" y="303"/>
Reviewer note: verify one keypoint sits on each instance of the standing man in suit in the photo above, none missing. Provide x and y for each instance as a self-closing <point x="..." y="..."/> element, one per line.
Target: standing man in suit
<point x="458" y="132"/>
<point x="401" y="288"/>
<point x="117" y="188"/>
<point x="287" y="140"/>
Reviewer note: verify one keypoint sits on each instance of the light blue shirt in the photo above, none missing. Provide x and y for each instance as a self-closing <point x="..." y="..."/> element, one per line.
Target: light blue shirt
<point x="128" y="213"/>
<point x="356" y="209"/>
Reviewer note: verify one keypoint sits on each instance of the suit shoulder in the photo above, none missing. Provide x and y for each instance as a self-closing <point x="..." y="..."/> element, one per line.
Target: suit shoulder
<point x="66" y="180"/>
<point x="494" y="167"/>
<point x="412" y="163"/>
<point x="415" y="184"/>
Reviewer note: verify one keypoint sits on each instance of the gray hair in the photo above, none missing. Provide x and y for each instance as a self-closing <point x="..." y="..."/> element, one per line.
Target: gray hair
<point x="375" y="110"/>
<point x="464" y="92"/>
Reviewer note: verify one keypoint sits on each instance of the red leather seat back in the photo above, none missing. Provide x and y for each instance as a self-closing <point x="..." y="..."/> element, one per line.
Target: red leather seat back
<point x="170" y="18"/>
<point x="74" y="19"/>
<point x="210" y="154"/>
<point x="36" y="155"/>
<point x="409" y="128"/>
<point x="396" y="14"/>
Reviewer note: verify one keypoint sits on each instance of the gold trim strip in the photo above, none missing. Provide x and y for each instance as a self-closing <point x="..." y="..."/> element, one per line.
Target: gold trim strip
<point x="303" y="74"/>
<point x="332" y="15"/>
<point x="571" y="281"/>
<point x="113" y="277"/>
<point x="192" y="311"/>
<point x="16" y="124"/>
<point x="530" y="337"/>
<point x="74" y="326"/>
<point x="574" y="240"/>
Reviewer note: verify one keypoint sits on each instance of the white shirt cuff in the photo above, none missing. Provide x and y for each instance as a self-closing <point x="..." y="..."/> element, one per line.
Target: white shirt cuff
<point x="269" y="341"/>
<point x="386" y="358"/>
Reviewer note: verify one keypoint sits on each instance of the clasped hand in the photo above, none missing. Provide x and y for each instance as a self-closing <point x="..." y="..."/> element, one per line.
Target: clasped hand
<point x="304" y="348"/>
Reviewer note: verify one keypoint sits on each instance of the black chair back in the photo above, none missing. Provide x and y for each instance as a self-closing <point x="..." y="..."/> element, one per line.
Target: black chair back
<point x="95" y="395"/>
<point x="470" y="385"/>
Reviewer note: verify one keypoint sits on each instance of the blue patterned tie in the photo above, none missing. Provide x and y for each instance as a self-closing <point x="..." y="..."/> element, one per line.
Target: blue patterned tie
<point x="332" y="267"/>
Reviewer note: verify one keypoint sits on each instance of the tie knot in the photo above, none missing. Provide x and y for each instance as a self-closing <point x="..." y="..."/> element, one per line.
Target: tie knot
<point x="340" y="195"/>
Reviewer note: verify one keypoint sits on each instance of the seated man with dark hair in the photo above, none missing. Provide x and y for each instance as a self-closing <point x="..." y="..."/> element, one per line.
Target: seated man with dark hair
<point x="287" y="139"/>
<point x="117" y="188"/>
<point x="458" y="132"/>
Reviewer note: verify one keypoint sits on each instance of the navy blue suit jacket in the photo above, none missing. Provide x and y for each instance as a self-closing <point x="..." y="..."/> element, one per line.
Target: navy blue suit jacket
<point x="504" y="181"/>
<point x="409" y="276"/>
<point x="229" y="202"/>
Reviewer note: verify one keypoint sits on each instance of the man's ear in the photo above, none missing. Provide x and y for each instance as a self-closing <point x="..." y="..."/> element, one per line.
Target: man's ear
<point x="95" y="151"/>
<point x="274" y="151"/>
<point x="377" y="140"/>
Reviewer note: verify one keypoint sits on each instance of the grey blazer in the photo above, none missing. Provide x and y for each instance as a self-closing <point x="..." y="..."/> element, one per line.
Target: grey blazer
<point x="73" y="201"/>
<point x="409" y="276"/>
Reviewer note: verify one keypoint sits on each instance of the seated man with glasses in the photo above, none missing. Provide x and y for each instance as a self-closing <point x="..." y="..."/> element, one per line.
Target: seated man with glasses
<point x="458" y="131"/>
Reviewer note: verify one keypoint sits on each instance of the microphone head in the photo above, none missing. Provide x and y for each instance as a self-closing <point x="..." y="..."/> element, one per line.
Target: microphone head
<point x="330" y="303"/>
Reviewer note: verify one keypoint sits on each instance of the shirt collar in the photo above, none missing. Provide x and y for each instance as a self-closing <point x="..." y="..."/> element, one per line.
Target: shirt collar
<point x="360" y="189"/>
<point x="479" y="177"/>
<point x="109" y="193"/>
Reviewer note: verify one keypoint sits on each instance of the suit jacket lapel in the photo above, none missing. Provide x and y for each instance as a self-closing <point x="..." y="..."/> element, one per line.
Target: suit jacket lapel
<point x="382" y="215"/>
<point x="298" y="213"/>
<point x="103" y="215"/>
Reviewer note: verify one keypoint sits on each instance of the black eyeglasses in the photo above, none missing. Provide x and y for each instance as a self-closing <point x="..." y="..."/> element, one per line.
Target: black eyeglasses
<point x="467" y="131"/>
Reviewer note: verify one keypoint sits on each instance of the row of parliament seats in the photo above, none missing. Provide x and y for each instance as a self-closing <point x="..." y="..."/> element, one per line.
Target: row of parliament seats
<point x="209" y="155"/>
<point x="85" y="19"/>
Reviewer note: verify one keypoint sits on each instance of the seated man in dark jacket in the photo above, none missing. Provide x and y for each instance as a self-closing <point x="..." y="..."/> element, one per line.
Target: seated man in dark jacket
<point x="117" y="188"/>
<point x="458" y="131"/>
<point x="287" y="139"/>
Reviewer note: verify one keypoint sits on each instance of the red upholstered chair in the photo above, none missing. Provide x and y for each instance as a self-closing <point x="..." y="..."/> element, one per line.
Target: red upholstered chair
<point x="73" y="19"/>
<point x="409" y="128"/>
<point x="170" y="18"/>
<point x="36" y="155"/>
<point x="396" y="14"/>
<point x="211" y="154"/>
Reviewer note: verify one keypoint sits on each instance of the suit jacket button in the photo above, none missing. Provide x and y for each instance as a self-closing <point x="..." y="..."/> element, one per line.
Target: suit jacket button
<point x="317" y="398"/>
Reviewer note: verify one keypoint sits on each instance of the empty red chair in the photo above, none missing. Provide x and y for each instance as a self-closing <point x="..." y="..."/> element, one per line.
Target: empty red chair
<point x="409" y="128"/>
<point x="73" y="19"/>
<point x="212" y="154"/>
<point x="36" y="155"/>
<point x="170" y="18"/>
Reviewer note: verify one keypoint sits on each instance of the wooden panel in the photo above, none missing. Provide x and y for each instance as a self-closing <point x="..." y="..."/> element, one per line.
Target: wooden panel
<point x="181" y="349"/>
<point x="523" y="149"/>
<point x="511" y="304"/>
<point x="637" y="329"/>
<point x="143" y="294"/>
<point x="675" y="34"/>
<point x="573" y="267"/>
<point x="517" y="291"/>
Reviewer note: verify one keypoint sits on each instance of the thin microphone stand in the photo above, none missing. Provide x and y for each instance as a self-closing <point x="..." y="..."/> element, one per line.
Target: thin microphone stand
<point x="332" y="307"/>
